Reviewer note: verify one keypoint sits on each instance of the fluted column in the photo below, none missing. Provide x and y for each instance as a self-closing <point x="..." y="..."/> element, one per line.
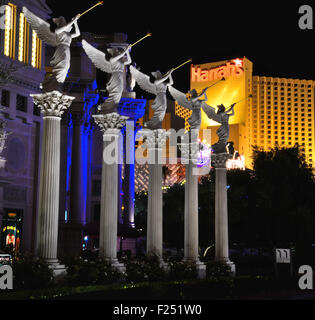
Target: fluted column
<point x="52" y="105"/>
<point x="110" y="125"/>
<point x="129" y="175"/>
<point x="191" y="227"/>
<point x="155" y="142"/>
<point x="77" y="204"/>
<point x="221" y="210"/>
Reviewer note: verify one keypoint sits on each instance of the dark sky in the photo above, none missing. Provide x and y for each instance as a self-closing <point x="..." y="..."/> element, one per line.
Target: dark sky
<point x="266" y="32"/>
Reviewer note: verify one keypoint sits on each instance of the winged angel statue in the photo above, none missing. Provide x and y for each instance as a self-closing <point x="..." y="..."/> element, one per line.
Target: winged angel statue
<point x="61" y="39"/>
<point x="113" y="62"/>
<point x="195" y="104"/>
<point x="158" y="88"/>
<point x="221" y="116"/>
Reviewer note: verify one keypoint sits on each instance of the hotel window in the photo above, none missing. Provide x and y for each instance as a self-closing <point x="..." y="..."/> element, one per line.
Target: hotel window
<point x="21" y="103"/>
<point x="36" y="51"/>
<point x="23" y="39"/>
<point x="5" y="98"/>
<point x="36" y="110"/>
<point x="9" y="31"/>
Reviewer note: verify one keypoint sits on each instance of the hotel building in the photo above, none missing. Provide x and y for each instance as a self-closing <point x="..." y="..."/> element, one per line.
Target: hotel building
<point x="272" y="111"/>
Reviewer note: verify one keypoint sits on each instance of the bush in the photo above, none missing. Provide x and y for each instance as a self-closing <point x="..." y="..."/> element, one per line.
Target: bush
<point x="145" y="269"/>
<point x="180" y="270"/>
<point x="91" y="272"/>
<point x="30" y="272"/>
<point x="217" y="269"/>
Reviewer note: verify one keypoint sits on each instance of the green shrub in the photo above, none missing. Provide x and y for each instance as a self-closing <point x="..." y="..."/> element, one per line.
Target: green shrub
<point x="91" y="272"/>
<point x="30" y="272"/>
<point x="147" y="268"/>
<point x="216" y="269"/>
<point x="180" y="270"/>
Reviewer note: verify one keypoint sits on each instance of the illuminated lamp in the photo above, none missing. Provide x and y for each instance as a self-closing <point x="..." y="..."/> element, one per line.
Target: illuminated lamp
<point x="12" y="215"/>
<point x="204" y="155"/>
<point x="238" y="62"/>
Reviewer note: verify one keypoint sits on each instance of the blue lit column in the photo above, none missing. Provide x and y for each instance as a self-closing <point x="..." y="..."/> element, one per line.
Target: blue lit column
<point x="129" y="175"/>
<point x="77" y="187"/>
<point x="134" y="109"/>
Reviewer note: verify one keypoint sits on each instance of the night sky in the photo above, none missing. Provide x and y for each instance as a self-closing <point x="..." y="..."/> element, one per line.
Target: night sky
<point x="264" y="32"/>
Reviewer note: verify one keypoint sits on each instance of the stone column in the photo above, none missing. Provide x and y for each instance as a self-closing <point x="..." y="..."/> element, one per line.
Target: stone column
<point x="110" y="125"/>
<point x="191" y="228"/>
<point x="73" y="229"/>
<point x="221" y="211"/>
<point x="77" y="205"/>
<point x="129" y="176"/>
<point x="155" y="140"/>
<point x="52" y="105"/>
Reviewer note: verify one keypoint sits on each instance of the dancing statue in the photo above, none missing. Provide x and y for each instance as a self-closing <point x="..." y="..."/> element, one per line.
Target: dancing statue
<point x="158" y="88"/>
<point x="61" y="39"/>
<point x="195" y="103"/>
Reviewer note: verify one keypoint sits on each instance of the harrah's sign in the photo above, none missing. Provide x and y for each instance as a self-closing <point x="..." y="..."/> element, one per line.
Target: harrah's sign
<point x="232" y="68"/>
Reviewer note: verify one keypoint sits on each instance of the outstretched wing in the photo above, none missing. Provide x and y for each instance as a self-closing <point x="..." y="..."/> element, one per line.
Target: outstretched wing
<point x="143" y="80"/>
<point x="97" y="57"/>
<point x="210" y="112"/>
<point x="41" y="27"/>
<point x="180" y="97"/>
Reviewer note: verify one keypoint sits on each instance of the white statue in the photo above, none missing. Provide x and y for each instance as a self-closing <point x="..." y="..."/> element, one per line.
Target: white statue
<point x="221" y="116"/>
<point x="113" y="62"/>
<point x="158" y="88"/>
<point x="195" y="104"/>
<point x="61" y="39"/>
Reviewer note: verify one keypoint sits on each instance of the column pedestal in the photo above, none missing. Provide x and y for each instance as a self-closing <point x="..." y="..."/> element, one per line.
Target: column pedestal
<point x="110" y="125"/>
<point x="52" y="105"/>
<point x="221" y="211"/>
<point x="191" y="231"/>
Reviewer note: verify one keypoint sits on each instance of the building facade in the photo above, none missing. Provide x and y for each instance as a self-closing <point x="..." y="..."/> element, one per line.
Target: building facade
<point x="273" y="111"/>
<point x="20" y="48"/>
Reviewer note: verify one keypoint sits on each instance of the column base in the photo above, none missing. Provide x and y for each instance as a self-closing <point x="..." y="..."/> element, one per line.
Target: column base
<point x="200" y="266"/>
<point x="2" y="162"/>
<point x="228" y="263"/>
<point x="164" y="265"/>
<point x="59" y="270"/>
<point x="116" y="264"/>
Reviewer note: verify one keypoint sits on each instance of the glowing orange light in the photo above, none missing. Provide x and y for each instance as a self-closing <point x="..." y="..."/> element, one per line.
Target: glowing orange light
<point x="238" y="62"/>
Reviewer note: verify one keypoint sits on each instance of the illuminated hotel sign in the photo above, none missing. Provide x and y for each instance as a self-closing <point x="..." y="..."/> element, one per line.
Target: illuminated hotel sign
<point x="233" y="68"/>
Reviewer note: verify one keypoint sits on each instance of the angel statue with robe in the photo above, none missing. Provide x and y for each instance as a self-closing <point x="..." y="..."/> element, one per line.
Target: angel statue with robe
<point x="221" y="116"/>
<point x="61" y="39"/>
<point x="195" y="104"/>
<point x="158" y="88"/>
<point x="112" y="62"/>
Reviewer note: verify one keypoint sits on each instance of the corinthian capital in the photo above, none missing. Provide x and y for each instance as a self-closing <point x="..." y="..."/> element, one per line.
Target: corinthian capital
<point x="218" y="160"/>
<point x="110" y="122"/>
<point x="52" y="104"/>
<point x="154" y="139"/>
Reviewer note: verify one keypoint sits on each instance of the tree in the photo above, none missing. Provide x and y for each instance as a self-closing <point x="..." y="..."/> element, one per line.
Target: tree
<point x="285" y="188"/>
